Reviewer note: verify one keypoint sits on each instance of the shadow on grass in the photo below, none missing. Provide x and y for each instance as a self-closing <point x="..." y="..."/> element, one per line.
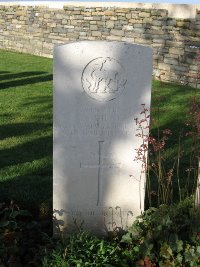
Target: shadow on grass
<point x="6" y="115"/>
<point x="12" y="76"/>
<point x="26" y="81"/>
<point x="3" y="72"/>
<point x="18" y="129"/>
<point x="26" y="164"/>
<point x="32" y="191"/>
<point x="27" y="152"/>
<point x="45" y="100"/>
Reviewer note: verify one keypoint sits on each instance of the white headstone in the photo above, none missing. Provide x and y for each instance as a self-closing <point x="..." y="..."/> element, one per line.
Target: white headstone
<point x="99" y="88"/>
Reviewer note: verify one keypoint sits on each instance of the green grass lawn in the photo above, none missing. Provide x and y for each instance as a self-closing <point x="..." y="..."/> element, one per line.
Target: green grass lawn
<point x="170" y="107"/>
<point x="26" y="126"/>
<point x="26" y="129"/>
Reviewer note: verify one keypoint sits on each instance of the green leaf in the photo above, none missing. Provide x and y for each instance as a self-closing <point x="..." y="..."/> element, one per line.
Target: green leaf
<point x="198" y="250"/>
<point x="127" y="238"/>
<point x="179" y="245"/>
<point x="23" y="213"/>
<point x="4" y="224"/>
<point x="179" y="259"/>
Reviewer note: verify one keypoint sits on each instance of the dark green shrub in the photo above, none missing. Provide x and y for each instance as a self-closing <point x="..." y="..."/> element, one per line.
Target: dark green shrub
<point x="168" y="235"/>
<point x="82" y="249"/>
<point x="165" y="236"/>
<point x="21" y="237"/>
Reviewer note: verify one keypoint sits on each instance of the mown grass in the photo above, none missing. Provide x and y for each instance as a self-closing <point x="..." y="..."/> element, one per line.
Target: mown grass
<point x="26" y="129"/>
<point x="26" y="126"/>
<point x="171" y="105"/>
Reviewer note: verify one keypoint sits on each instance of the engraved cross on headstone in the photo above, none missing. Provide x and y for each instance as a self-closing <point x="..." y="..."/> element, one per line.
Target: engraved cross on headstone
<point x="100" y="165"/>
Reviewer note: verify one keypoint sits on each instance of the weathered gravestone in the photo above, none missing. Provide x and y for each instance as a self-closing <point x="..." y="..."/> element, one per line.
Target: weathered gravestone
<point x="99" y="89"/>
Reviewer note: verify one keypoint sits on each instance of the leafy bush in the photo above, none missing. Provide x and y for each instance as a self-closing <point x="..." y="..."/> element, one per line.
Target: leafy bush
<point x="21" y="237"/>
<point x="82" y="249"/>
<point x="166" y="236"/>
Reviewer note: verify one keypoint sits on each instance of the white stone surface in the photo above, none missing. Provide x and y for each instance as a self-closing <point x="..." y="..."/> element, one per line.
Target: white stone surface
<point x="99" y="88"/>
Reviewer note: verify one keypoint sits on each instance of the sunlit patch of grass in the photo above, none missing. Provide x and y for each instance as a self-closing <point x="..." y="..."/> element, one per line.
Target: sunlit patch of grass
<point x="25" y="129"/>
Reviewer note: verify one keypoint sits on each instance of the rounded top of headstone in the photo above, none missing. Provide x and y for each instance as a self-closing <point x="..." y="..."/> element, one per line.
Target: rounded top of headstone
<point x="103" y="78"/>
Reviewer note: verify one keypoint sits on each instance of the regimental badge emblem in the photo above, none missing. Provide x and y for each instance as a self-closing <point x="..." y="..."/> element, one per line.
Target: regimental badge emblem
<point x="103" y="79"/>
